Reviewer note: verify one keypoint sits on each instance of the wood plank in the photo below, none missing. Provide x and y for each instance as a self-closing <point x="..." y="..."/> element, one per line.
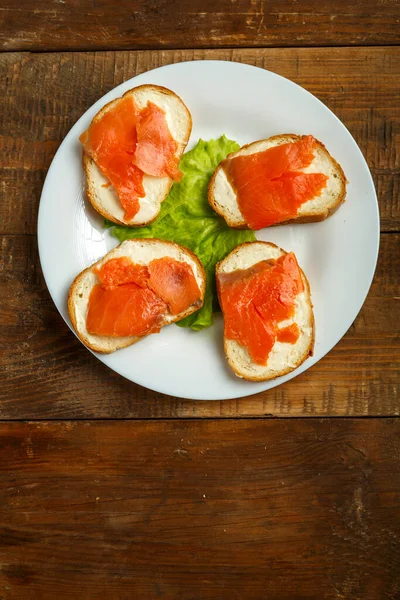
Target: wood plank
<point x="139" y="24"/>
<point x="44" y="94"/>
<point x="46" y="373"/>
<point x="204" y="510"/>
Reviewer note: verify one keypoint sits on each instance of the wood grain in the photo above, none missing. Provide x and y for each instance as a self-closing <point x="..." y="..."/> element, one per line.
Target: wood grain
<point x="200" y="510"/>
<point x="44" y="94"/>
<point x="140" y="24"/>
<point x="46" y="373"/>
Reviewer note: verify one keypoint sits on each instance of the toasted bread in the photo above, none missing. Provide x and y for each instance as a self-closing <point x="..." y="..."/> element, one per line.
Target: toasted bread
<point x="223" y="198"/>
<point x="284" y="357"/>
<point x="103" y="196"/>
<point x="142" y="252"/>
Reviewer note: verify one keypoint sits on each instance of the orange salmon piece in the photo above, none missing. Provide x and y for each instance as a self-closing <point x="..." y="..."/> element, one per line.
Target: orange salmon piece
<point x="289" y="334"/>
<point x="156" y="149"/>
<point x="174" y="282"/>
<point x="255" y="300"/>
<point x="124" y="310"/>
<point x="111" y="142"/>
<point x="117" y="271"/>
<point x="269" y="186"/>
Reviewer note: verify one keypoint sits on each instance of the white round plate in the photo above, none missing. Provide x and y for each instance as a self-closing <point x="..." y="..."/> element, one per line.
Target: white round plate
<point x="338" y="255"/>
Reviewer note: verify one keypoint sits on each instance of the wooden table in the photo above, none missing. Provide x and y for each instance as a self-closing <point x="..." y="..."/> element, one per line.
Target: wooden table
<point x="110" y="491"/>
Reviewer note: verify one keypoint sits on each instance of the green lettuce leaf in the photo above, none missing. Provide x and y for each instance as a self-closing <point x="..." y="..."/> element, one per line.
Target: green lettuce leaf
<point x="187" y="219"/>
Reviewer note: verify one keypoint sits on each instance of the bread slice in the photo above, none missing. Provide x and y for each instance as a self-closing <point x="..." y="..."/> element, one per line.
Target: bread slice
<point x="104" y="197"/>
<point x="284" y="357"/>
<point x="222" y="197"/>
<point x="141" y="252"/>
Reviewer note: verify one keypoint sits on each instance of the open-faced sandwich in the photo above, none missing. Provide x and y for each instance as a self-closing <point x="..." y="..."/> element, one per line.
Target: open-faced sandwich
<point x="266" y="305"/>
<point x="131" y="153"/>
<point x="133" y="291"/>
<point x="283" y="179"/>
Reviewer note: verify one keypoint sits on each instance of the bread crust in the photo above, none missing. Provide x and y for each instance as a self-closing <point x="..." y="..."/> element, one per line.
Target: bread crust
<point x="88" y="162"/>
<point x="99" y="346"/>
<point x="310" y="348"/>
<point x="312" y="218"/>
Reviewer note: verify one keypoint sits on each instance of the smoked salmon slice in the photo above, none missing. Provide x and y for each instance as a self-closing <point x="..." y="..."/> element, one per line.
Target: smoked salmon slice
<point x="270" y="187"/>
<point x="126" y="143"/>
<point x="111" y="142"/>
<point x="173" y="281"/>
<point x="256" y="300"/>
<point x="118" y="271"/>
<point x="156" y="149"/>
<point x="124" y="310"/>
<point x="289" y="334"/>
<point x="133" y="299"/>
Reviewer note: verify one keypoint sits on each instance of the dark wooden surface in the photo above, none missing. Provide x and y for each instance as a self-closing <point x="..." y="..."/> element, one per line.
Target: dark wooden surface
<point x="46" y="373"/>
<point x="200" y="510"/>
<point x="156" y="497"/>
<point x="138" y="24"/>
